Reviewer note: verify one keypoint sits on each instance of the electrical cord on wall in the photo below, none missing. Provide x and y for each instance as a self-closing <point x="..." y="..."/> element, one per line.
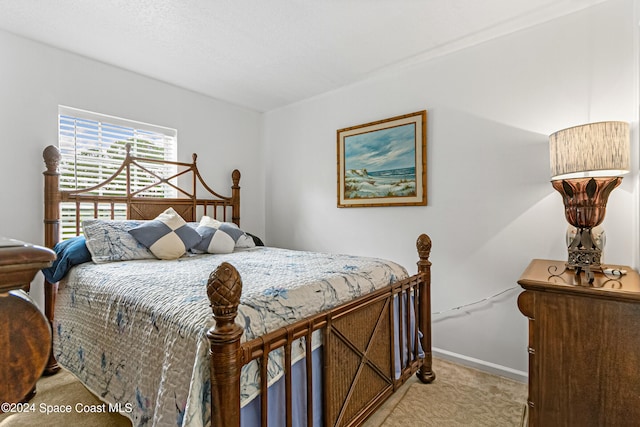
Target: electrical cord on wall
<point x="473" y="303"/>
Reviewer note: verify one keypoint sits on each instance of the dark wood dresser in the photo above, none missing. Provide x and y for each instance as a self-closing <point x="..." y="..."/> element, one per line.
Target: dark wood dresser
<point x="584" y="346"/>
<point x="25" y="334"/>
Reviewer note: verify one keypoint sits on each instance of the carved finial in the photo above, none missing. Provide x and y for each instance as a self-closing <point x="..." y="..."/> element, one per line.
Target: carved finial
<point x="127" y="148"/>
<point x="424" y="246"/>
<point x="235" y="176"/>
<point x="224" y="289"/>
<point x="194" y="156"/>
<point x="52" y="157"/>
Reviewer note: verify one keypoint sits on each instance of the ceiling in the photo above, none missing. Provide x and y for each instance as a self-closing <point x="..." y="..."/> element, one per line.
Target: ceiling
<point x="264" y="54"/>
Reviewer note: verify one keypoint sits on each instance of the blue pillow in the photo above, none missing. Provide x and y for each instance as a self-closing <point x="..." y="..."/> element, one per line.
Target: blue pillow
<point x="69" y="252"/>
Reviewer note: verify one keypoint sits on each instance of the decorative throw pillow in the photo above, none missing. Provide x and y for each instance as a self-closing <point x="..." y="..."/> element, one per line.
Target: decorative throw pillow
<point x="242" y="240"/>
<point x="168" y="236"/>
<point x="109" y="240"/>
<point x="214" y="240"/>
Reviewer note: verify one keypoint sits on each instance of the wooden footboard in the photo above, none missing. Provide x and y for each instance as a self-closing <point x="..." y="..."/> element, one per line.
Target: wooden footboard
<point x="359" y="351"/>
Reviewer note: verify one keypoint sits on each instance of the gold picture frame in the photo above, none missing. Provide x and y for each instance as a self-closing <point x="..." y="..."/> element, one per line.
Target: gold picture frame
<point x="383" y="163"/>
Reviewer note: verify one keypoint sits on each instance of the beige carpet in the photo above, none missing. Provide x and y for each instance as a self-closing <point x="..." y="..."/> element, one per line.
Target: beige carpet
<point x="460" y="396"/>
<point x="55" y="392"/>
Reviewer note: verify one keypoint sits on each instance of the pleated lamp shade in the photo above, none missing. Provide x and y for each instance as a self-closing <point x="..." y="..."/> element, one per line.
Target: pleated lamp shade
<point x="591" y="150"/>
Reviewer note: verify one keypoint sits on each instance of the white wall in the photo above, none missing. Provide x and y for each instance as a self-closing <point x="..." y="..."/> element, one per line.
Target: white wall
<point x="35" y="79"/>
<point x="491" y="207"/>
<point x="490" y="108"/>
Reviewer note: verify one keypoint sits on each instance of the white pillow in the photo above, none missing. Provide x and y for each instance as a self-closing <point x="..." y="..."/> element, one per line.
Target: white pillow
<point x="109" y="240"/>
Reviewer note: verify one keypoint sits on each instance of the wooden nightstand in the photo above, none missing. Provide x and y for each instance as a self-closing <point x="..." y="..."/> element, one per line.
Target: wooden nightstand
<point x="584" y="346"/>
<point x="25" y="334"/>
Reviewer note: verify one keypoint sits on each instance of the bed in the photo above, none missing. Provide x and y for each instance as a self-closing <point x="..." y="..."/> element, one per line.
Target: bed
<point x="245" y="342"/>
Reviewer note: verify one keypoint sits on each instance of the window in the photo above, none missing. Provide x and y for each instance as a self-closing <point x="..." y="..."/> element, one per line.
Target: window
<point x="92" y="147"/>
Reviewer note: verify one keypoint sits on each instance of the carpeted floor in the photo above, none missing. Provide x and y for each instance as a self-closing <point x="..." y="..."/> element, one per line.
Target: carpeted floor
<point x="55" y="393"/>
<point x="460" y="396"/>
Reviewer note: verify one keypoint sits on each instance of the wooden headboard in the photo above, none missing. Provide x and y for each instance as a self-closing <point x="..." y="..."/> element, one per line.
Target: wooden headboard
<point x="138" y="206"/>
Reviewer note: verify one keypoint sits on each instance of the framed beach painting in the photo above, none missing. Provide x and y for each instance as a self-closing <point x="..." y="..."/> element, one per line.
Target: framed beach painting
<point x="384" y="163"/>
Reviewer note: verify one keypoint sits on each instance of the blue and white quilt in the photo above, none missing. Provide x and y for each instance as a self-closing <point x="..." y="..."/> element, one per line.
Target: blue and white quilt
<point x="134" y="331"/>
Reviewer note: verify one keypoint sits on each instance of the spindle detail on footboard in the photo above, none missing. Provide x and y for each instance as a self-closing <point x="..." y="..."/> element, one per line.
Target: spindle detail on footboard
<point x="359" y="350"/>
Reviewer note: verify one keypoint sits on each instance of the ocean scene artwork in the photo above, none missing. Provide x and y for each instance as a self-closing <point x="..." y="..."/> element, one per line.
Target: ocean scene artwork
<point x="381" y="164"/>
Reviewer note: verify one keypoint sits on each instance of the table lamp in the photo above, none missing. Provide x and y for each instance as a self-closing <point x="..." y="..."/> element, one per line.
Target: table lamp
<point x="586" y="164"/>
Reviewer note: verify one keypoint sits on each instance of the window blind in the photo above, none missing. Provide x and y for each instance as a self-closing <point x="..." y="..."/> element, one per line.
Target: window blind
<point x="92" y="147"/>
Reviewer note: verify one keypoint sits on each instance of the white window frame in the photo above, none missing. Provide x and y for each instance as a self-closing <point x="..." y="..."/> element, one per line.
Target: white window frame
<point x="97" y="142"/>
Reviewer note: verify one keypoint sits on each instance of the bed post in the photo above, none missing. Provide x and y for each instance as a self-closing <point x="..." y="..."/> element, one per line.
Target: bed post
<point x="425" y="373"/>
<point x="51" y="156"/>
<point x="235" y="197"/>
<point x="223" y="289"/>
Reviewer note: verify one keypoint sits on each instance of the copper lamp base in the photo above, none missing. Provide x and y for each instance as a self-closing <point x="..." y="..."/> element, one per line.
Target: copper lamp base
<point x="585" y="204"/>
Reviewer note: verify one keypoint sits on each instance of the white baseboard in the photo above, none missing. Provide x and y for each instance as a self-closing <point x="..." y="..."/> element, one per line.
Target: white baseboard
<point x="481" y="365"/>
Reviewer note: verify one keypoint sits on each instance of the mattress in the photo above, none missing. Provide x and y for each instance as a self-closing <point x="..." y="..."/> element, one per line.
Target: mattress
<point x="134" y="332"/>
